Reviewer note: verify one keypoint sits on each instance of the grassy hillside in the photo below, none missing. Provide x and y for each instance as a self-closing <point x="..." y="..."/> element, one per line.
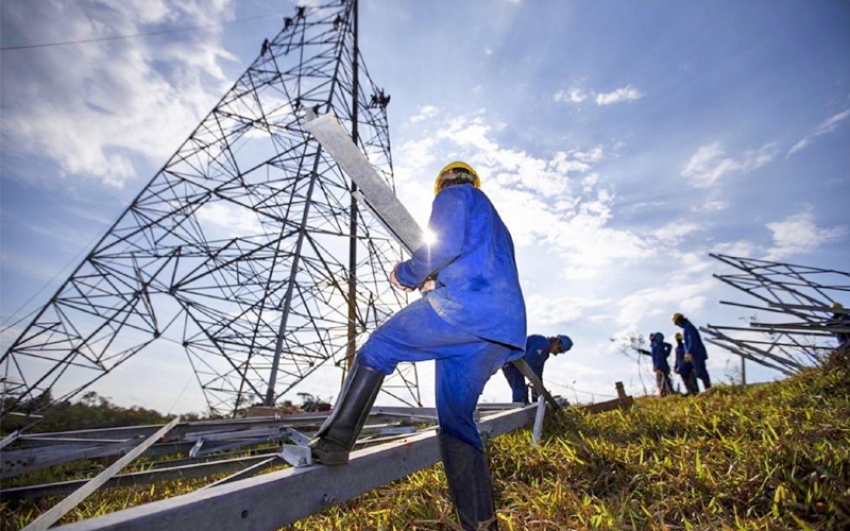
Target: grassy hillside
<point x="767" y="457"/>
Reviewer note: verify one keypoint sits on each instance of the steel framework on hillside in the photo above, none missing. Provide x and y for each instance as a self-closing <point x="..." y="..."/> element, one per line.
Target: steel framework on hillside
<point x="803" y="294"/>
<point x="246" y="251"/>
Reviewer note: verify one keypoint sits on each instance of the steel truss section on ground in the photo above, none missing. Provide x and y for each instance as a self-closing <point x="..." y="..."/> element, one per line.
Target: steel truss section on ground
<point x="210" y="446"/>
<point x="279" y="498"/>
<point x="793" y="323"/>
<point x="396" y="438"/>
<point x="258" y="304"/>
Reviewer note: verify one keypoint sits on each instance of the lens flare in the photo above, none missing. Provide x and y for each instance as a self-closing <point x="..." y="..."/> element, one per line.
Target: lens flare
<point x="429" y="237"/>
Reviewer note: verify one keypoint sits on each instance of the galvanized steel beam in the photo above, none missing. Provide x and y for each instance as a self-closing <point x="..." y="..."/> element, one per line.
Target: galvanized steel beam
<point x="270" y="501"/>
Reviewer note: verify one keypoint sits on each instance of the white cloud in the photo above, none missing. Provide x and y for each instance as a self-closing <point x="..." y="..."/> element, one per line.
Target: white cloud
<point x="578" y="95"/>
<point x="799" y="234"/>
<point x="574" y="95"/>
<point x="557" y="201"/>
<point x="425" y="112"/>
<point x="627" y="93"/>
<point x="740" y="248"/>
<point x="673" y="233"/>
<point x="225" y="220"/>
<point x="660" y="303"/>
<point x="710" y="163"/>
<point x="146" y="94"/>
<point x="546" y="310"/>
<point x="827" y="126"/>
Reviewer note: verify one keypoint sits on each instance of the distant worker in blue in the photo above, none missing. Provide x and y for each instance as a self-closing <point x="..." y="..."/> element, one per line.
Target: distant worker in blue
<point x="660" y="352"/>
<point x="537" y="351"/>
<point x="685" y="369"/>
<point x="694" y="349"/>
<point x="471" y="319"/>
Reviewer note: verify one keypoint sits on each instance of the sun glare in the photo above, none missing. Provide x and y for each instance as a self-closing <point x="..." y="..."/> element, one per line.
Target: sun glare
<point x="429" y="237"/>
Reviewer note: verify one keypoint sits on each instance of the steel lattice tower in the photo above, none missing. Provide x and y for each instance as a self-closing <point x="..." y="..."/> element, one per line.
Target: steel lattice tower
<point x="795" y="325"/>
<point x="258" y="306"/>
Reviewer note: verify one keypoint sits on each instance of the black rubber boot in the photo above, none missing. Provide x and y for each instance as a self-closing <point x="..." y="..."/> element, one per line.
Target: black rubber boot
<point x="336" y="437"/>
<point x="469" y="483"/>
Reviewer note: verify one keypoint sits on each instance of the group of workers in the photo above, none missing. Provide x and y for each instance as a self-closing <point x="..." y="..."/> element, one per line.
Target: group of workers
<point x="471" y="319"/>
<point x="689" y="362"/>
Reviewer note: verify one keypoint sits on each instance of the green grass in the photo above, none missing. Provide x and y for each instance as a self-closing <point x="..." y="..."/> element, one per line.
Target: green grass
<point x="766" y="457"/>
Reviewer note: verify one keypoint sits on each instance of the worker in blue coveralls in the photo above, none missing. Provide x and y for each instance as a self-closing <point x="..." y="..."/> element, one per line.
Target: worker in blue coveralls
<point x="660" y="352"/>
<point x="537" y="351"/>
<point x="694" y="349"/>
<point x="471" y="320"/>
<point x="685" y="369"/>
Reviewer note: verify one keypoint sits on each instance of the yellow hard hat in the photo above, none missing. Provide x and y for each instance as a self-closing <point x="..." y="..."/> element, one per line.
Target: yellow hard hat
<point x="476" y="182"/>
<point x="677" y="317"/>
<point x="837" y="306"/>
<point x="678" y="335"/>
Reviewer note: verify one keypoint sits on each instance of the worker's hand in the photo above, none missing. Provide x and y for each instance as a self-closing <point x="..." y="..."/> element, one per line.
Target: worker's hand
<point x="688" y="357"/>
<point x="429" y="285"/>
<point x="394" y="280"/>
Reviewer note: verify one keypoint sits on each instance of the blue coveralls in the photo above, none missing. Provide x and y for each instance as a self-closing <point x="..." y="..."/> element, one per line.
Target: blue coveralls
<point x="537" y="350"/>
<point x="682" y="367"/>
<point x="660" y="353"/>
<point x="693" y="344"/>
<point x="685" y="369"/>
<point x="472" y="323"/>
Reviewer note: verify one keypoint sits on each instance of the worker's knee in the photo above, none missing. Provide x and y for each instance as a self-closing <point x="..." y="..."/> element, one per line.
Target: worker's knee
<point x="465" y="431"/>
<point x="377" y="356"/>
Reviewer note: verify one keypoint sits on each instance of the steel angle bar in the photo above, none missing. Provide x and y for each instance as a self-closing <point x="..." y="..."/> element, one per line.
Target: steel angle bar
<point x="188" y="431"/>
<point x="524" y="368"/>
<point x="740" y="343"/>
<point x="235" y="445"/>
<point x="144" y="477"/>
<point x="261" y="431"/>
<point x="9" y="439"/>
<point x="246" y="472"/>
<point x="793" y="328"/>
<point x="428" y="419"/>
<point x="827" y="309"/>
<point x="792" y="345"/>
<point x="751" y="357"/>
<point x="50" y="441"/>
<point x="279" y="498"/>
<point x="537" y="431"/>
<point x="765" y="331"/>
<point x="17" y="462"/>
<point x="58" y="511"/>
<point x="379" y="197"/>
<point x="398" y="410"/>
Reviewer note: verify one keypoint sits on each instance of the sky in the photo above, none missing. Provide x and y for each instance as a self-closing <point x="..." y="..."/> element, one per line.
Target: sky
<point x="621" y="142"/>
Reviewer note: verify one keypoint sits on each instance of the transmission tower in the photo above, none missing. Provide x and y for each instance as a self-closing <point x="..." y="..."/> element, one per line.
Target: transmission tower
<point x="296" y="276"/>
<point x="794" y="324"/>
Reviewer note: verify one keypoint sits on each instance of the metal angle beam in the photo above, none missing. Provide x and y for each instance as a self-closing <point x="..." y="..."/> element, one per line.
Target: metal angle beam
<point x="59" y="510"/>
<point x="273" y="500"/>
<point x="378" y="196"/>
<point x="183" y="471"/>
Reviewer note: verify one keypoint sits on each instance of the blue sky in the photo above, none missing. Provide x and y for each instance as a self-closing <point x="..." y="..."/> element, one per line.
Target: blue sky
<point x="621" y="142"/>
